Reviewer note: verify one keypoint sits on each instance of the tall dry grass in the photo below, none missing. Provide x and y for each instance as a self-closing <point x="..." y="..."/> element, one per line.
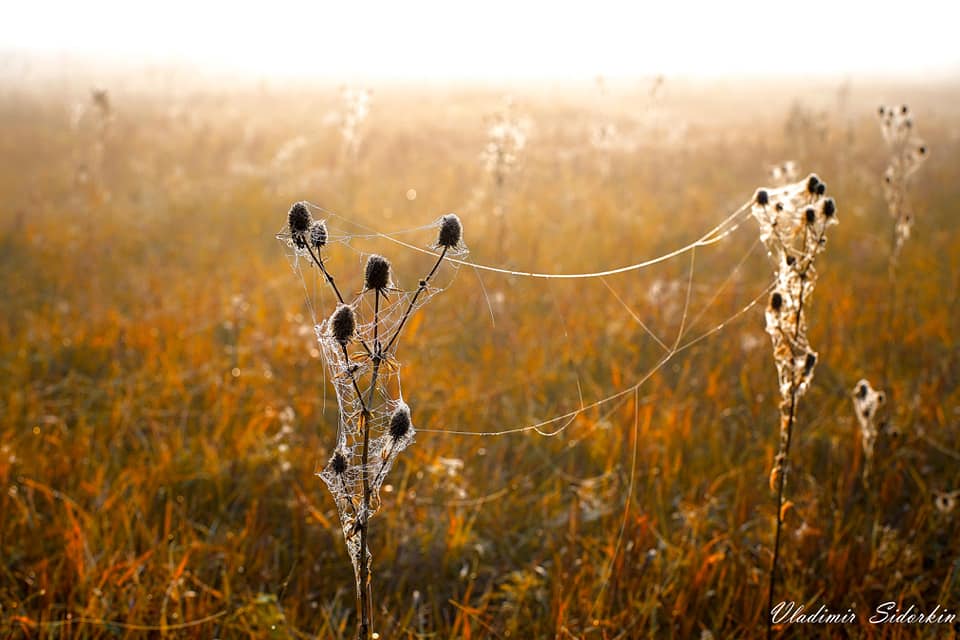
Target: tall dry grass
<point x="157" y="453"/>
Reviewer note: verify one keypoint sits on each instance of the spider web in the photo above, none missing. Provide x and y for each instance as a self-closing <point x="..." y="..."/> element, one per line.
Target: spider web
<point x="365" y="374"/>
<point x="388" y="397"/>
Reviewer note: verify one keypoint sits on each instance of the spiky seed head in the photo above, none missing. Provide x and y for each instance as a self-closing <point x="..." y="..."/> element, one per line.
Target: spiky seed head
<point x="343" y="324"/>
<point x="400" y="422"/>
<point x="862" y="389"/>
<point x="377" y="274"/>
<point x="829" y="208"/>
<point x="451" y="231"/>
<point x="812" y="182"/>
<point x="339" y="463"/>
<point x="810" y="214"/>
<point x="318" y="233"/>
<point x="762" y="197"/>
<point x="776" y="301"/>
<point x="809" y="363"/>
<point x="821" y="188"/>
<point x="945" y="502"/>
<point x="299" y="218"/>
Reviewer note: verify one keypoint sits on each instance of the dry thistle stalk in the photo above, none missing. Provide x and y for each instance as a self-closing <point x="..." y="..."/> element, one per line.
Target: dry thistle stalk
<point x="358" y="345"/>
<point x="867" y="402"/>
<point x="506" y="139"/>
<point x="793" y="223"/>
<point x="356" y="108"/>
<point x="907" y="153"/>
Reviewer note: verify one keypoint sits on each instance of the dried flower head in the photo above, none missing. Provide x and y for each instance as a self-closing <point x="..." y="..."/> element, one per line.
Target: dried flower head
<point x="776" y="301"/>
<point x="810" y="214"/>
<point x="299" y="219"/>
<point x="343" y="324"/>
<point x="762" y="197"/>
<point x="866" y="404"/>
<point x="338" y="463"/>
<point x="813" y="181"/>
<point x="318" y="234"/>
<point x="829" y="208"/>
<point x="400" y="422"/>
<point x="377" y="274"/>
<point x="945" y="501"/>
<point x="451" y="231"/>
<point x="809" y="363"/>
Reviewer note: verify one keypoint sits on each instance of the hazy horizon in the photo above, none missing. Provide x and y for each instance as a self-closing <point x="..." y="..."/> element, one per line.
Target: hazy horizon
<point x="496" y="42"/>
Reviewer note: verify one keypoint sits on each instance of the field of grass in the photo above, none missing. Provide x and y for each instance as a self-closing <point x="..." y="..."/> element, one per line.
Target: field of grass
<point x="164" y="408"/>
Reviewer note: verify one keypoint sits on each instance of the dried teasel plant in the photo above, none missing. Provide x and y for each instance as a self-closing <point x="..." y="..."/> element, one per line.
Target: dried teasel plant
<point x="358" y="343"/>
<point x="356" y="108"/>
<point x="907" y="153"/>
<point x="793" y="223"/>
<point x="867" y="403"/>
<point x="501" y="156"/>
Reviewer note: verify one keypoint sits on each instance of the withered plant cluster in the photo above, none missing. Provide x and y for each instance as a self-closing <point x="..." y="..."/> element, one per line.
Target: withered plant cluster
<point x="907" y="153"/>
<point x="793" y="220"/>
<point x="358" y="343"/>
<point x="867" y="403"/>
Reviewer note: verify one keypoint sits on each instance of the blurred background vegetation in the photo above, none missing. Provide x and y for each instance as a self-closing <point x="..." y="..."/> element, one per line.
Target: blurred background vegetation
<point x="164" y="408"/>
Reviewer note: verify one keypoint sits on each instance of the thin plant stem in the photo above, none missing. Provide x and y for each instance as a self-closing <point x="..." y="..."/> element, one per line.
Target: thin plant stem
<point x="318" y="260"/>
<point x="413" y="301"/>
<point x="784" y="454"/>
<point x="365" y="591"/>
<point x="781" y="481"/>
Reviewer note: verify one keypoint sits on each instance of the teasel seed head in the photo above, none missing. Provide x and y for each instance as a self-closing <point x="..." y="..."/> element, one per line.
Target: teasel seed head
<point x="809" y="363"/>
<point x="400" y="422"/>
<point x="343" y="324"/>
<point x="318" y="234"/>
<point x="299" y="218"/>
<point x="377" y="274"/>
<point x="339" y="463"/>
<point x="776" y="301"/>
<point x="829" y="208"/>
<point x="451" y="231"/>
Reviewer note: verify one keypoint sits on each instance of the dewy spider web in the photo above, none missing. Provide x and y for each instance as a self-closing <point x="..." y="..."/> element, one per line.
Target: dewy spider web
<point x="365" y="375"/>
<point x="383" y="456"/>
<point x="718" y="233"/>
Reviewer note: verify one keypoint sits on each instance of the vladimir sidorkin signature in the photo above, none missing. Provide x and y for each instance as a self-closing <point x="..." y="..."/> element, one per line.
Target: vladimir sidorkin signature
<point x="789" y="612"/>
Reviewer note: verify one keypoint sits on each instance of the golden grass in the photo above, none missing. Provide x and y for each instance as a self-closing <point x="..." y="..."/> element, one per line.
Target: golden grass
<point x="144" y="490"/>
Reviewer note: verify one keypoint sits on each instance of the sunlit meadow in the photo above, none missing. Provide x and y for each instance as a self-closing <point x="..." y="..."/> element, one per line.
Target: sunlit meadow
<point x="594" y="457"/>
